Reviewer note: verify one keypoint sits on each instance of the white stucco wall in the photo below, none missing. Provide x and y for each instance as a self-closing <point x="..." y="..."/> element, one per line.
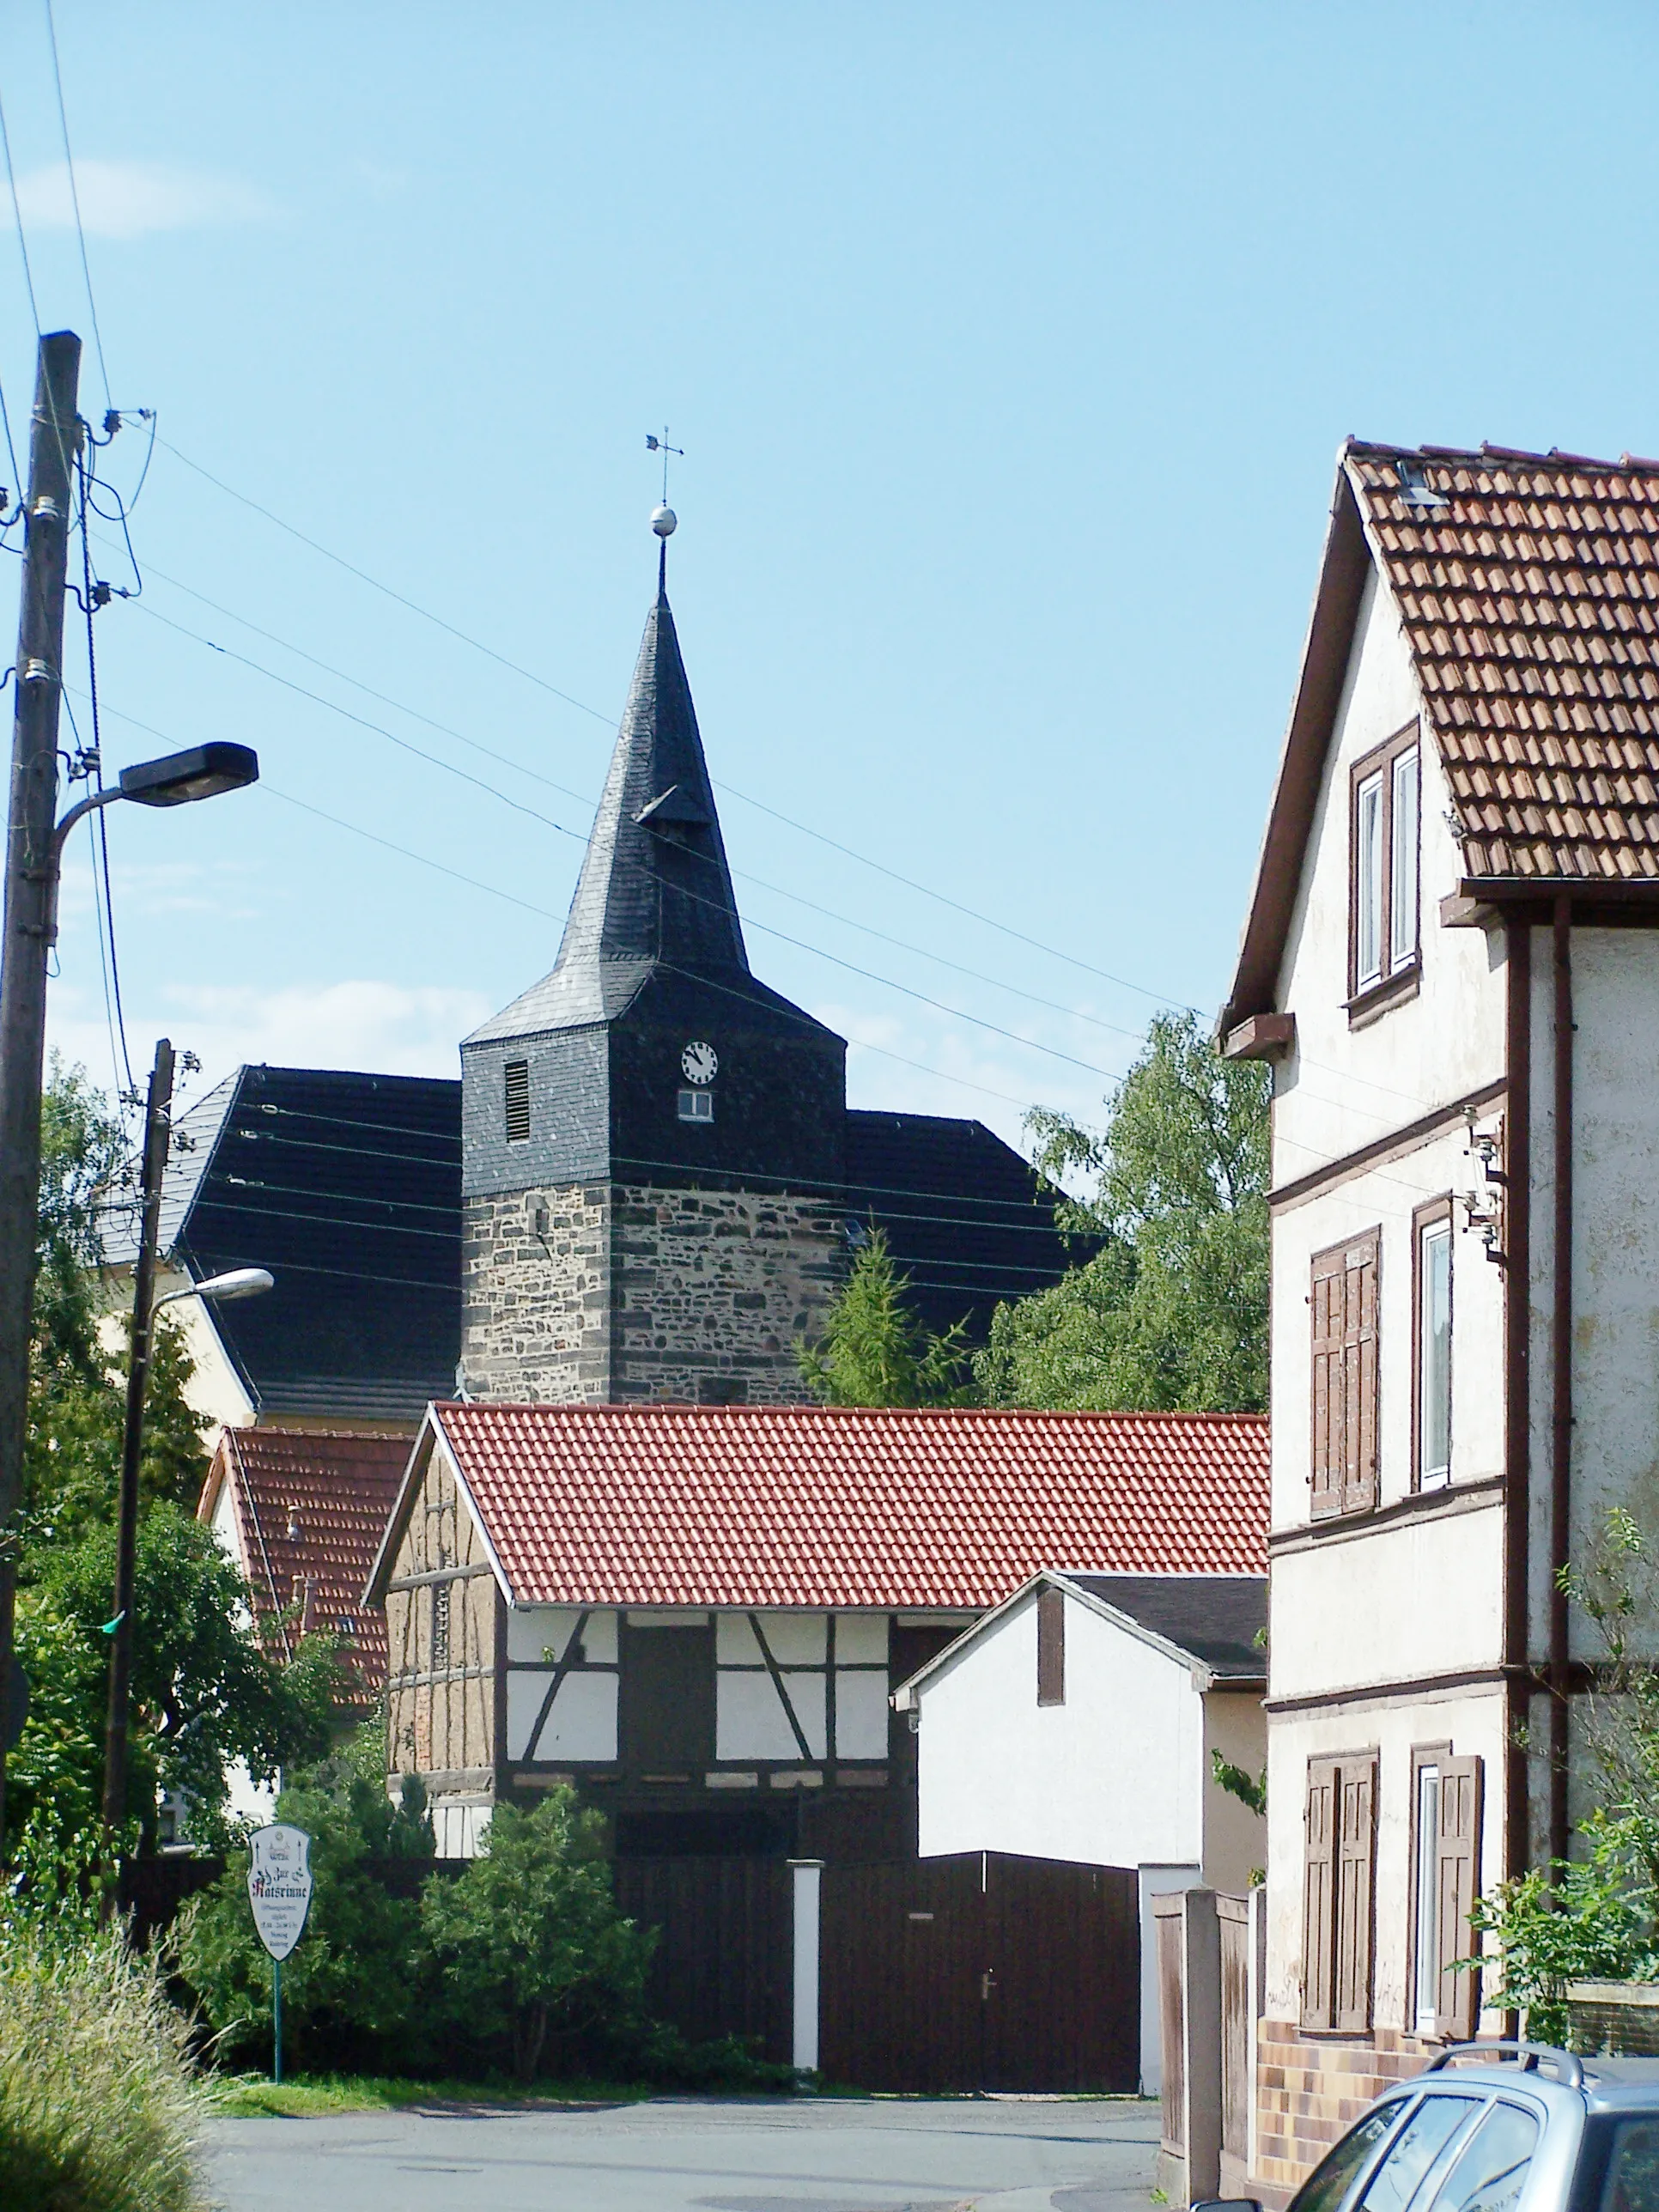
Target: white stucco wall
<point x="1615" y="1254"/>
<point x="215" y="1391"/>
<point x="1115" y="1777"/>
<point x="1472" y="1723"/>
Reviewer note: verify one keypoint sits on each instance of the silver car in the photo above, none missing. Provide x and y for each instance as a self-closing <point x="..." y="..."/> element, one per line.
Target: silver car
<point x="1497" y="2127"/>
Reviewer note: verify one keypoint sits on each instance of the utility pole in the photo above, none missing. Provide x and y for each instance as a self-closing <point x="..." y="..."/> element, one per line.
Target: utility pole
<point x="37" y="688"/>
<point x="158" y="1109"/>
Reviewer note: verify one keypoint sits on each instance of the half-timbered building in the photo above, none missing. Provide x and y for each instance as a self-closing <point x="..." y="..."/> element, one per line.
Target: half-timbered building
<point x="697" y="1615"/>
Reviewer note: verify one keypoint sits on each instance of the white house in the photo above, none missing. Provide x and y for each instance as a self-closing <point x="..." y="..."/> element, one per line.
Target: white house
<point x="1452" y="960"/>
<point x="1081" y="1720"/>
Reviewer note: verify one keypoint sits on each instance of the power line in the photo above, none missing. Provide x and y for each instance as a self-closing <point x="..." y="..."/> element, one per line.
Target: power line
<point x="521" y="768"/>
<point x="75" y="203"/>
<point x="879" y="867"/>
<point x="17" y="217"/>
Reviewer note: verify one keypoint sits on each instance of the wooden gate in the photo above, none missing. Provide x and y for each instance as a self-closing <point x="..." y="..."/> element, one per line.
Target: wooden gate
<point x="980" y="1971"/>
<point x="724" y="1963"/>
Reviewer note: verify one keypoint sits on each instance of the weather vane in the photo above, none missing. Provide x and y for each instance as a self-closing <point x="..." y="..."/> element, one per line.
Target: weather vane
<point x="661" y="446"/>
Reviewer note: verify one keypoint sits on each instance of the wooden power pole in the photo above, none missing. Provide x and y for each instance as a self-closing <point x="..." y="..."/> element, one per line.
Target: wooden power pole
<point x="158" y="1111"/>
<point x="37" y="686"/>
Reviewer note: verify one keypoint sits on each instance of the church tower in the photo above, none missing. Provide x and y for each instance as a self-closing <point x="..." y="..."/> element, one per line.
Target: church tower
<point x="651" y="1140"/>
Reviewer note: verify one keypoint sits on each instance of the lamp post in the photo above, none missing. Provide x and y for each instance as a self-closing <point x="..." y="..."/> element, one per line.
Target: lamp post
<point x="222" y="1290"/>
<point x="34" y="864"/>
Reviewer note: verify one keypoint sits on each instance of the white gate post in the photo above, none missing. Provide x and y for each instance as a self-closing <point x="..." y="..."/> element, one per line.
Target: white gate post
<point x="808" y="1898"/>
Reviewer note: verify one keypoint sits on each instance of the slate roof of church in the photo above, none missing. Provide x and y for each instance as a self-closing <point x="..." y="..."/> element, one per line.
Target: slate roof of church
<point x="823" y="1506"/>
<point x="1528" y="587"/>
<point x="347" y="1186"/>
<point x="655" y="894"/>
<point x="311" y="1508"/>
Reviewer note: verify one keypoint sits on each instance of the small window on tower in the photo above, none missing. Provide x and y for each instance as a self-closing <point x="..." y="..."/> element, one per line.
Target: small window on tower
<point x="515" y="1084"/>
<point x="696" y="1105"/>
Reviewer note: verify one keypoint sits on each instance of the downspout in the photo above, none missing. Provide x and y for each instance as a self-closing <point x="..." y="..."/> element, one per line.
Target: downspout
<point x="1561" y="1365"/>
<point x="1517" y="1410"/>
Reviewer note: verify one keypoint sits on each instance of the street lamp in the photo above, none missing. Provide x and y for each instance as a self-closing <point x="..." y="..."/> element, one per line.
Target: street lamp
<point x="222" y="1290"/>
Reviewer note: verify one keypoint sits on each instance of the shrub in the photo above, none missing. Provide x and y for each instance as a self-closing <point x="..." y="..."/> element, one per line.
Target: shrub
<point x="1589" y="1923"/>
<point x="538" y="1964"/>
<point x="98" y="2109"/>
<point x="356" y="1985"/>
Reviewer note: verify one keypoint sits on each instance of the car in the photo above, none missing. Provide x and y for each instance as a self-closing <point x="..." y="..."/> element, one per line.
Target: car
<point x="1495" y="2127"/>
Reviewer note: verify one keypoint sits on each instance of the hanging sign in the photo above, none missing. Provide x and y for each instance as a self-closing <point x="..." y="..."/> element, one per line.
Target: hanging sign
<point x="279" y="1886"/>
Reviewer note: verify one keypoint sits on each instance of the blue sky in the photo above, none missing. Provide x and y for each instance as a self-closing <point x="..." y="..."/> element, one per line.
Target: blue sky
<point x="1010" y="348"/>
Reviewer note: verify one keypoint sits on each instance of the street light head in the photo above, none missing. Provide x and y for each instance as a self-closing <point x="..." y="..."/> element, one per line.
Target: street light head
<point x="202" y="773"/>
<point x="240" y="1282"/>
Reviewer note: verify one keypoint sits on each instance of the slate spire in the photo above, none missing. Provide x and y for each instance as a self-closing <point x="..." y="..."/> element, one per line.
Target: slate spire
<point x="655" y="892"/>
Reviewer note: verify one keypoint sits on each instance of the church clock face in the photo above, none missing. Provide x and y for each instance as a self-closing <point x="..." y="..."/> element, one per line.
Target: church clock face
<point x="699" y="1062"/>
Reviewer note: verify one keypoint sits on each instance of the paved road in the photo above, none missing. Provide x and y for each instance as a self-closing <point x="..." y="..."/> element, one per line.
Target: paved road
<point x="842" y="2155"/>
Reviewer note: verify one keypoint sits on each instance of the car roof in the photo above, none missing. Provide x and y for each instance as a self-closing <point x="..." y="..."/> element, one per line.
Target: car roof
<point x="1610" y="2084"/>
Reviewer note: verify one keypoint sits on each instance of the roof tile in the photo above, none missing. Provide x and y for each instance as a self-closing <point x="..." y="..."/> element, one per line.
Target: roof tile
<point x="1531" y="605"/>
<point x="788" y="1505"/>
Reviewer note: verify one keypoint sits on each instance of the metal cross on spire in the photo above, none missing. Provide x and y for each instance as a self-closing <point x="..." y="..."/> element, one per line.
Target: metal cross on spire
<point x="661" y="446"/>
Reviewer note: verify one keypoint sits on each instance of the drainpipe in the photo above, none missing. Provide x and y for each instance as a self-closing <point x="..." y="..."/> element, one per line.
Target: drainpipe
<point x="1561" y="1363"/>
<point x="1517" y="1329"/>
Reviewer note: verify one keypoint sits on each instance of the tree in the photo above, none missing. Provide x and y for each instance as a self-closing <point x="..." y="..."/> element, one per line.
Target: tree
<point x="203" y="1694"/>
<point x="875" y="1350"/>
<point x="1171" y="1311"/>
<point x="531" y="1945"/>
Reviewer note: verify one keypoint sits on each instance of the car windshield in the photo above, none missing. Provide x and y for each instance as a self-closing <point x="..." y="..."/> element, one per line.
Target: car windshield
<point x="1632" y="2182"/>
<point x="1490" y="2174"/>
<point x="1328" y="2185"/>
<point x="1415" y="2150"/>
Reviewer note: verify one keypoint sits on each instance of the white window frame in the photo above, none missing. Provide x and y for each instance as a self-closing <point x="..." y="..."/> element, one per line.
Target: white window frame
<point x="1405" y="813"/>
<point x="1425" y="1947"/>
<point x="1368" y="882"/>
<point x="697" y="1106"/>
<point x="1434" y="1376"/>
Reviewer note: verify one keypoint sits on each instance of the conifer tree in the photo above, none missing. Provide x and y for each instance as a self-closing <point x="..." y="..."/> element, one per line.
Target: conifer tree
<point x="875" y="1350"/>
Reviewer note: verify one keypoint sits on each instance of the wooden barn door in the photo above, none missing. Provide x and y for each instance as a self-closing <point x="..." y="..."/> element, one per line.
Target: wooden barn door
<point x="981" y="1972"/>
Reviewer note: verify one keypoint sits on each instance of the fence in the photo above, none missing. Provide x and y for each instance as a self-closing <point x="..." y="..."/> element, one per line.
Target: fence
<point x="1210" y="1960"/>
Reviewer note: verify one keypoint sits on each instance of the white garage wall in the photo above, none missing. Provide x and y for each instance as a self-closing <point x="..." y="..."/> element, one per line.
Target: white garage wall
<point x="1113" y="1777"/>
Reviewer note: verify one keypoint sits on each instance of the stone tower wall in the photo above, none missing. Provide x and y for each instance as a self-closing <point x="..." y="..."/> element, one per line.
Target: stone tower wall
<point x="599" y="1293"/>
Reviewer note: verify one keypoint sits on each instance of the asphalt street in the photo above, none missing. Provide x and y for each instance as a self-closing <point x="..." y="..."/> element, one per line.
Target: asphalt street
<point x="673" y="2156"/>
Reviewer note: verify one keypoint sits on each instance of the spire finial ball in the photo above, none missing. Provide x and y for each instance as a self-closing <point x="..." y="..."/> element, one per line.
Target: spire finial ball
<point x="664" y="521"/>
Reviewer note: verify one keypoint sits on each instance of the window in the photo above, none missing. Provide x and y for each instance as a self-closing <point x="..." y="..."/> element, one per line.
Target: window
<point x="1383" y="926"/>
<point x="1446" y="1806"/>
<point x="1328" y="2185"/>
<point x="1051" y="1647"/>
<point x="1490" y="2175"/>
<point x="1631" y="2180"/>
<point x="515" y="1091"/>
<point x="1415" y="2150"/>
<point x="696" y="1105"/>
<point x="1339" y="1829"/>
<point x="1432" y="1227"/>
<point x="1343" y="1301"/>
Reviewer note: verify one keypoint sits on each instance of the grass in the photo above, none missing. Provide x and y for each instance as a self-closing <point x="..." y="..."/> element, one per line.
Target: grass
<point x="99" y="2109"/>
<point x="307" y="2096"/>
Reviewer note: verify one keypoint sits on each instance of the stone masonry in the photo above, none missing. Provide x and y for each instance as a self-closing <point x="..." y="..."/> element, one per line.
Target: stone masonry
<point x="603" y="1293"/>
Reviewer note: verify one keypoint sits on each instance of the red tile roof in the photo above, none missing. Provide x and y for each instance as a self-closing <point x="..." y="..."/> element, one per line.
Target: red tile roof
<point x="336" y="1492"/>
<point x="1531" y="603"/>
<point x="788" y="1505"/>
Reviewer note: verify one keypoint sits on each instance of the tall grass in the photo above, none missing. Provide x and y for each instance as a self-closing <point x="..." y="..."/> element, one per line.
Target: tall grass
<point x="98" y="2109"/>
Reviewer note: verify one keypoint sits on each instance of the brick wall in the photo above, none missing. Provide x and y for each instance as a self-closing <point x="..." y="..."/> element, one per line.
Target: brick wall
<point x="1309" y="2091"/>
<point x="631" y="1293"/>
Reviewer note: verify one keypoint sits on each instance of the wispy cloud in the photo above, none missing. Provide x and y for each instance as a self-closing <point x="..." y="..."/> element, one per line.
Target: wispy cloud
<point x="134" y="199"/>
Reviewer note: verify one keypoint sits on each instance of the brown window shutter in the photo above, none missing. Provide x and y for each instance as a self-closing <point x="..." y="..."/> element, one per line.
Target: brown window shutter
<point x="1328" y="1406"/>
<point x="1359" y="1369"/>
<point x="1319" y="1894"/>
<point x="1457" y="1881"/>
<point x="1051" y="1647"/>
<point x="1356" y="1861"/>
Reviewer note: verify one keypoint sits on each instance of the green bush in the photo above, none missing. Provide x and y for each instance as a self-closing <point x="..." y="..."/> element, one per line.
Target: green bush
<point x="97" y="2106"/>
<point x="1592" y="1922"/>
<point x="355" y="1992"/>
<point x="538" y="1965"/>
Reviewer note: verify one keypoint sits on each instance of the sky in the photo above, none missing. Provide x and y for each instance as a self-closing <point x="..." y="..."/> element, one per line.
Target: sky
<point x="1010" y="349"/>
